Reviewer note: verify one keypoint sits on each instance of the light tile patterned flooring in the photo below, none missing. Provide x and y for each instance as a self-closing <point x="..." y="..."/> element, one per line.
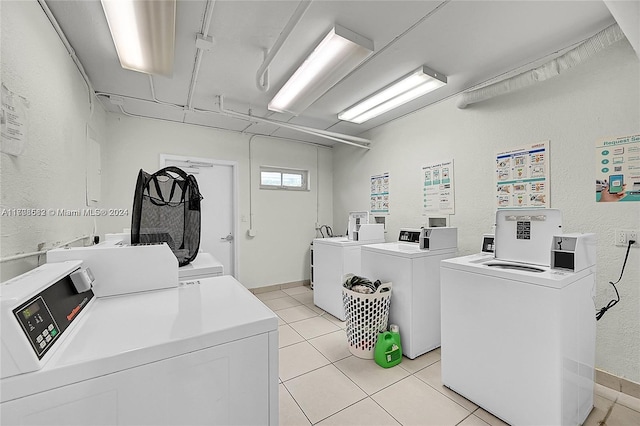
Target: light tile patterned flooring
<point x="322" y="383"/>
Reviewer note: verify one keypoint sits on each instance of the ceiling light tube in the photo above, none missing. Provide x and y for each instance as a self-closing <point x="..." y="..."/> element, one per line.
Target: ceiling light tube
<point x="143" y="32"/>
<point x="411" y="86"/>
<point x="337" y="55"/>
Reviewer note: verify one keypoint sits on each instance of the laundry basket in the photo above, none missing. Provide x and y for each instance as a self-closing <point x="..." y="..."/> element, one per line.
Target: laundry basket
<point x="367" y="315"/>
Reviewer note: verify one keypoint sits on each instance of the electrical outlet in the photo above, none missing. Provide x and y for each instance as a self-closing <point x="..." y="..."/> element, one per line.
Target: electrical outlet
<point x="623" y="236"/>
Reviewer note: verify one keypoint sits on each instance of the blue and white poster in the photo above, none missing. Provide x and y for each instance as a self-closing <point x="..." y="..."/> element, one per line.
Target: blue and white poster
<point x="522" y="177"/>
<point x="438" y="189"/>
<point x="380" y="194"/>
<point x="618" y="169"/>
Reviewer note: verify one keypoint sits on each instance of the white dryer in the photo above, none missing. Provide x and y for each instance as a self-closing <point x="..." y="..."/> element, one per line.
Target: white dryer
<point x="333" y="258"/>
<point x="415" y="277"/>
<point x="192" y="354"/>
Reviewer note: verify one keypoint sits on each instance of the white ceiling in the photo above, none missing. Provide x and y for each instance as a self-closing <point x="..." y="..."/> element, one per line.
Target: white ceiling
<point x="470" y="42"/>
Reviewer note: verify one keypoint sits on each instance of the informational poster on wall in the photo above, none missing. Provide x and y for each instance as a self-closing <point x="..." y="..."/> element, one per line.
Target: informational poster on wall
<point x="522" y="176"/>
<point x="437" y="192"/>
<point x="618" y="169"/>
<point x="380" y="194"/>
<point x="13" y="122"/>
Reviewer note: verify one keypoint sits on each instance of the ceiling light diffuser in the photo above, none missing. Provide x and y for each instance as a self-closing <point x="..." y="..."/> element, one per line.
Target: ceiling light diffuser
<point x="337" y="55"/>
<point x="411" y="86"/>
<point x="143" y="32"/>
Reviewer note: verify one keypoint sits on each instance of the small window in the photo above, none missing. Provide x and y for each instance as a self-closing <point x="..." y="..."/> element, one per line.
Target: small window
<point x="280" y="178"/>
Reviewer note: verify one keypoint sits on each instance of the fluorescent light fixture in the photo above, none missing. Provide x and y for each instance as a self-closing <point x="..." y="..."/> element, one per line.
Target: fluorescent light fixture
<point x="338" y="53"/>
<point x="411" y="86"/>
<point x="143" y="32"/>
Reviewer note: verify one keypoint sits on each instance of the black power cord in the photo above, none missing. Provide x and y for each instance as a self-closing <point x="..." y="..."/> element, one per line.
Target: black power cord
<point x="612" y="303"/>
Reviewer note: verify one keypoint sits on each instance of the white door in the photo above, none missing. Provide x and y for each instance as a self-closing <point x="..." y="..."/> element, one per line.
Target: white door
<point x="217" y="183"/>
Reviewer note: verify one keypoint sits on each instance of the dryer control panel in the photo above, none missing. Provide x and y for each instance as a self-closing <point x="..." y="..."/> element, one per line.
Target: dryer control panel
<point x="38" y="309"/>
<point x="45" y="316"/>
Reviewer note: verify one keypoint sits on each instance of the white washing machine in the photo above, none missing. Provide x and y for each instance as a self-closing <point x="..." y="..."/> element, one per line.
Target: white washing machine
<point x="333" y="258"/>
<point x="518" y="339"/>
<point x="192" y="354"/>
<point x="519" y="343"/>
<point x="415" y="293"/>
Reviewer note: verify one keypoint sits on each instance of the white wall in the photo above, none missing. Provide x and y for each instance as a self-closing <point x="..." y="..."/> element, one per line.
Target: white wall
<point x="599" y="99"/>
<point x="284" y="221"/>
<point x="51" y="173"/>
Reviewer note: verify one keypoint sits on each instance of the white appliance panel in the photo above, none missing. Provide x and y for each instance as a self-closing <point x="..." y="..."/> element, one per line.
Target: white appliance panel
<point x="124" y="269"/>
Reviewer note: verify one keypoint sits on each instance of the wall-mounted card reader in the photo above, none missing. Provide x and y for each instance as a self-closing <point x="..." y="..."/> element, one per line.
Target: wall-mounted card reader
<point x="488" y="243"/>
<point x="573" y="252"/>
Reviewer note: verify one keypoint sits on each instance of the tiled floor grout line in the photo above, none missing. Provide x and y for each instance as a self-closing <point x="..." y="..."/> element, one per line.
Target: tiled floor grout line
<point x="294" y="400"/>
<point x="341" y="410"/>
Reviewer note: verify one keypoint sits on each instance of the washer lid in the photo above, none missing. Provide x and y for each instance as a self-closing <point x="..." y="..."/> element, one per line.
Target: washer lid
<point x="515" y="272"/>
<point x="127" y="331"/>
<point x="408" y="250"/>
<point x="525" y="235"/>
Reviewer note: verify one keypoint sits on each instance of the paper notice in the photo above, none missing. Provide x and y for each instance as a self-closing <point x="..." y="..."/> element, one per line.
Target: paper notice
<point x="13" y="122"/>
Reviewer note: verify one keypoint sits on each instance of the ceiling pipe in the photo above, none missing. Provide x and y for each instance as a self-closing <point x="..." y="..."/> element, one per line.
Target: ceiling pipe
<point x="262" y="76"/>
<point x="337" y="137"/>
<point x="206" y="25"/>
<point x="553" y="68"/>
<point x="117" y="100"/>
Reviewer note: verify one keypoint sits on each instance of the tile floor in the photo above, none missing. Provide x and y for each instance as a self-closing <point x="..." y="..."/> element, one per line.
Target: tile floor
<point x="322" y="383"/>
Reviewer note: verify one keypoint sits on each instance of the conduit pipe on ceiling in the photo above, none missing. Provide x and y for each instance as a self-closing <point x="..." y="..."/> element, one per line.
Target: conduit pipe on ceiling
<point x="337" y="137"/>
<point x="206" y="25"/>
<point x="553" y="68"/>
<point x="262" y="76"/>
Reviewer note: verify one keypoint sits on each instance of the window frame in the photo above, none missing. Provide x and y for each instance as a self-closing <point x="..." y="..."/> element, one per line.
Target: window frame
<point x="304" y="174"/>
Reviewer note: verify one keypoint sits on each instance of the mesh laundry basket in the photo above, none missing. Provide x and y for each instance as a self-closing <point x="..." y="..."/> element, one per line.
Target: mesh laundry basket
<point x="166" y="208"/>
<point x="367" y="315"/>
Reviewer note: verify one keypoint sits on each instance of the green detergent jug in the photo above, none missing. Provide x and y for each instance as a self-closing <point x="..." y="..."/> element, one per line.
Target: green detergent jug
<point x="388" y="351"/>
